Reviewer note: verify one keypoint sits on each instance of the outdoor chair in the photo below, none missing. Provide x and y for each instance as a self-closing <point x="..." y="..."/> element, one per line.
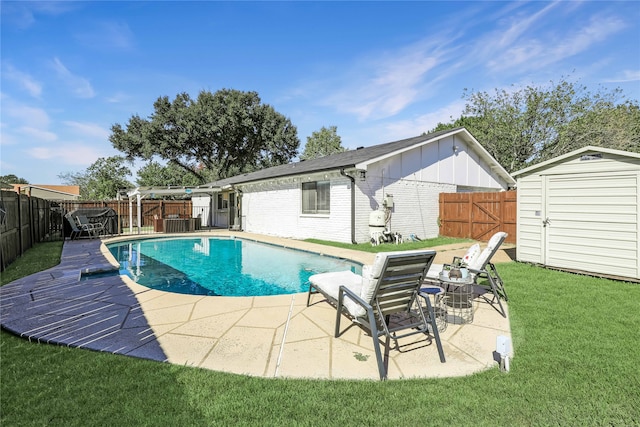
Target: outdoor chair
<point x="384" y="299"/>
<point x="76" y="229"/>
<point x="84" y="223"/>
<point x="479" y="265"/>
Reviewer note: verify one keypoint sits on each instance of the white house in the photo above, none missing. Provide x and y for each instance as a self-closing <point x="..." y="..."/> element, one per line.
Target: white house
<point x="337" y="197"/>
<point x="581" y="211"/>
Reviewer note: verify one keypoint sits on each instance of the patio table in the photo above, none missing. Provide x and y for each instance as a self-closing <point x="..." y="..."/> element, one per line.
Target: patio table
<point x="458" y="298"/>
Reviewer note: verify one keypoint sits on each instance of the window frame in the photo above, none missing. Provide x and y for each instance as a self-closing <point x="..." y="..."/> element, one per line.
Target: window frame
<point x="316" y="198"/>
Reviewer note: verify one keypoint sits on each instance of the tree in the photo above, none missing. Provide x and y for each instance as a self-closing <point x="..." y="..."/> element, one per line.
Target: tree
<point x="228" y="133"/>
<point x="155" y="174"/>
<point x="12" y="179"/>
<point x="607" y="125"/>
<point x="101" y="180"/>
<point x="322" y="143"/>
<point x="523" y="126"/>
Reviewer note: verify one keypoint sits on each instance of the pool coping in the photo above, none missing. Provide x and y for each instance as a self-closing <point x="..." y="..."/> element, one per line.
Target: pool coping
<point x="272" y="336"/>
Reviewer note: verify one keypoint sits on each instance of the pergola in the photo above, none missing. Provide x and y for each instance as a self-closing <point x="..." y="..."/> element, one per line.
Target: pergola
<point x="142" y="192"/>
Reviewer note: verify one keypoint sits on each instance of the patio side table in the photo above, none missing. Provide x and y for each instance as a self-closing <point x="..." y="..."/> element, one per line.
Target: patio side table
<point x="431" y="292"/>
<point x="458" y="298"/>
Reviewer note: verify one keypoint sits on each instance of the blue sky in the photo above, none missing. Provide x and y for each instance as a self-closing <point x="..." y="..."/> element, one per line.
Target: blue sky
<point x="379" y="71"/>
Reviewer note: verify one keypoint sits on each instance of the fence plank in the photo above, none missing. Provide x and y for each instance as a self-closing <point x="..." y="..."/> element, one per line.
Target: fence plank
<point x="478" y="215"/>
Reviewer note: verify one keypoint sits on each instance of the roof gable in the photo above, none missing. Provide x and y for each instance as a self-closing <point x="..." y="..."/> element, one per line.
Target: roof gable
<point x="583" y="150"/>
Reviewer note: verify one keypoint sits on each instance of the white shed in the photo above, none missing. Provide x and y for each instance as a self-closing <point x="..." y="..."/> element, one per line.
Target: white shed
<point x="581" y="212"/>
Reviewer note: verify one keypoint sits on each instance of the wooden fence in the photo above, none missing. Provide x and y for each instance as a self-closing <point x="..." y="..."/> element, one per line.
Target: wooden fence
<point x="24" y="221"/>
<point x="478" y="215"/>
<point x="149" y="210"/>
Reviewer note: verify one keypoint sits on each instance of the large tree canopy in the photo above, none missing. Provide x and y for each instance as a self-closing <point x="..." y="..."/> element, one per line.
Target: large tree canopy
<point x="155" y="174"/>
<point x="523" y="126"/>
<point x="227" y="132"/>
<point x="321" y="143"/>
<point x="101" y="180"/>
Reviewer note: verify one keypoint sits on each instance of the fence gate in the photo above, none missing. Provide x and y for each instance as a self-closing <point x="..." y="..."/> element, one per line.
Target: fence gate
<point x="478" y="215"/>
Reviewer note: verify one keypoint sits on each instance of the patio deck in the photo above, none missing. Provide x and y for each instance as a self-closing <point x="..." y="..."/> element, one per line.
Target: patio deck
<point x="273" y="336"/>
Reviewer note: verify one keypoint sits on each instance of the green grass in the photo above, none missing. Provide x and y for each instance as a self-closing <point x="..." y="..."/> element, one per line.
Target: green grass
<point x="577" y="364"/>
<point x="387" y="247"/>
<point x="42" y="256"/>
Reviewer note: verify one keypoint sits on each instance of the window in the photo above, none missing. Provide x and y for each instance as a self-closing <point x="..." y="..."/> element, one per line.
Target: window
<point x="315" y="197"/>
<point x="223" y="203"/>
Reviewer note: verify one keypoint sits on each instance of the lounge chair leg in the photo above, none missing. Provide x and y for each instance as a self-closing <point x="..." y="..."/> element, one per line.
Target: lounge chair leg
<point x="309" y="293"/>
<point x="496" y="295"/>
<point x="382" y="371"/>
<point x="434" y="329"/>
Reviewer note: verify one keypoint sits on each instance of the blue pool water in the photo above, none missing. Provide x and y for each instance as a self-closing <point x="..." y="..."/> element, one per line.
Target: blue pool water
<point x="221" y="266"/>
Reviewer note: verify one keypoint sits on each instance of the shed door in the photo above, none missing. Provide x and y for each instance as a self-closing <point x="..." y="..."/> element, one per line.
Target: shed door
<point x="592" y="223"/>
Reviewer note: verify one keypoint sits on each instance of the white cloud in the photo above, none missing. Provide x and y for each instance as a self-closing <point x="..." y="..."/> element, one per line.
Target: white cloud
<point x="6" y="138"/>
<point x="80" y="86"/>
<point x="23" y="14"/>
<point x="383" y="86"/>
<point x="39" y="135"/>
<point x="73" y="154"/>
<point x="425" y="122"/>
<point x="109" y="35"/>
<point x="23" y="80"/>
<point x="526" y="45"/>
<point x="32" y="116"/>
<point x="89" y="129"/>
<point x="118" y="97"/>
<point x="625" y="76"/>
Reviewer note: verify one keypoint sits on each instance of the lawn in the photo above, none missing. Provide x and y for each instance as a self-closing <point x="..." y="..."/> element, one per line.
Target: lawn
<point x="577" y="363"/>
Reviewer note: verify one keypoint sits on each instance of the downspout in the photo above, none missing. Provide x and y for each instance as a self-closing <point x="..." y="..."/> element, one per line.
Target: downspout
<point x="353" y="205"/>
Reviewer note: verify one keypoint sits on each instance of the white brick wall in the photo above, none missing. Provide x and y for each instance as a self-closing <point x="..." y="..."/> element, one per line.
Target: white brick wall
<point x="274" y="209"/>
<point x="415" y="209"/>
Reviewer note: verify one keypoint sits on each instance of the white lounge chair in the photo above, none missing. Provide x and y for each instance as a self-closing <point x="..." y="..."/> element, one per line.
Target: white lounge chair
<point x="480" y="266"/>
<point x="391" y="286"/>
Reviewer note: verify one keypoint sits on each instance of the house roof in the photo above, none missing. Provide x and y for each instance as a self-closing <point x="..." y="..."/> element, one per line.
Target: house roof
<point x="583" y="150"/>
<point x="360" y="158"/>
<point x="71" y="190"/>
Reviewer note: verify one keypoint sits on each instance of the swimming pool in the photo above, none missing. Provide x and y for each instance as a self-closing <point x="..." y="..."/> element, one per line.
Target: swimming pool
<point x="222" y="266"/>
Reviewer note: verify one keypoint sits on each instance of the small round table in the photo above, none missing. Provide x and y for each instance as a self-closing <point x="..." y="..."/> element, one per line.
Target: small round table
<point x="458" y="298"/>
<point x="439" y="309"/>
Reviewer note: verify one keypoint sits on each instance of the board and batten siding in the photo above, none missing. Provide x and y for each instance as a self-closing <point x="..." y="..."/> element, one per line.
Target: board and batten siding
<point x="438" y="162"/>
<point x="583" y="214"/>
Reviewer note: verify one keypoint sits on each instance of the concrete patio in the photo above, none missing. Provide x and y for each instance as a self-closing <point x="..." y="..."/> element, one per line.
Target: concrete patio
<point x="273" y="336"/>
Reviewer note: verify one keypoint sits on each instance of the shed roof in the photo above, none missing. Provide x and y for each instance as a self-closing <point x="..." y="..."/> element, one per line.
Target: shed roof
<point x="360" y="158"/>
<point x="584" y="150"/>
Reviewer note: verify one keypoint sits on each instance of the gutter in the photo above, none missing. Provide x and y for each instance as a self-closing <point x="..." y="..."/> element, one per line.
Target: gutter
<point x="353" y="205"/>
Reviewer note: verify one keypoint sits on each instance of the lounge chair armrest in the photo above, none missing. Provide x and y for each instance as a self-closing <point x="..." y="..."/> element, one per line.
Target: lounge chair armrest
<point x="352" y="295"/>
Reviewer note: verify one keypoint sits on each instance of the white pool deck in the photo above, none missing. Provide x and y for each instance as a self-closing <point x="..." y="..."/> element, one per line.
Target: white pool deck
<point x="273" y="336"/>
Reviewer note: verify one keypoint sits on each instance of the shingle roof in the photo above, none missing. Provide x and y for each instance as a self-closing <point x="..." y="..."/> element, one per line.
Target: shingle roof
<point x="335" y="161"/>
